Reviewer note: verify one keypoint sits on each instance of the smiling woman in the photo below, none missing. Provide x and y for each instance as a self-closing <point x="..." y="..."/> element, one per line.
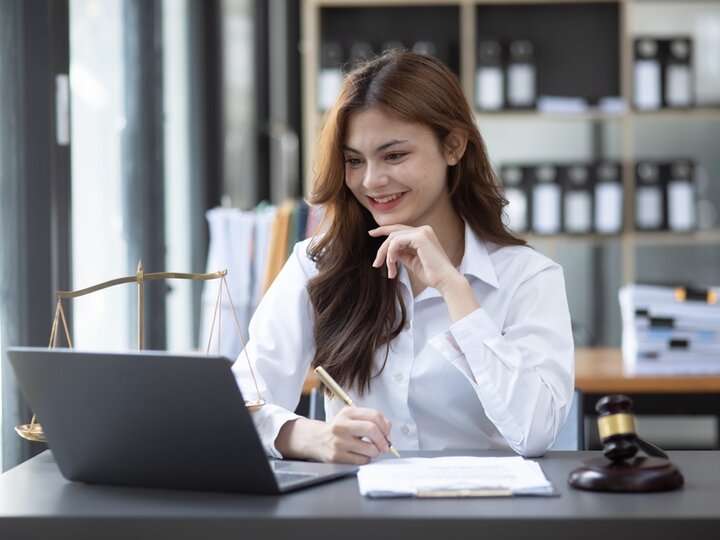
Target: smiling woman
<point x="446" y="330"/>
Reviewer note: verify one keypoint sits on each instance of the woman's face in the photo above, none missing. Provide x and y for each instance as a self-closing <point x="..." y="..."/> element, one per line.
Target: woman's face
<point x="397" y="170"/>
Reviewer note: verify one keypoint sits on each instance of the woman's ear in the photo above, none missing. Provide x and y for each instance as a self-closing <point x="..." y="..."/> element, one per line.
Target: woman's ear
<point x="455" y="144"/>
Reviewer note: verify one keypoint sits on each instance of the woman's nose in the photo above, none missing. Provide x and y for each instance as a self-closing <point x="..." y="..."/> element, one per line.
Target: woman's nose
<point x="375" y="176"/>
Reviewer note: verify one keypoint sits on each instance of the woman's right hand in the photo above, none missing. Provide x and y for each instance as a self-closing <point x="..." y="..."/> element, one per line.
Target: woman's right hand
<point x="355" y="436"/>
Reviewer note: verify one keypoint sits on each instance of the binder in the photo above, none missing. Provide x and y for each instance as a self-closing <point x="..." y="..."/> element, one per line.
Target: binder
<point x="546" y="196"/>
<point x="647" y="74"/>
<point x="608" y="198"/>
<point x="330" y="76"/>
<point x="577" y="199"/>
<point x="677" y="72"/>
<point x="521" y="76"/>
<point x="649" y="197"/>
<point x="518" y="196"/>
<point x="680" y="195"/>
<point x="489" y="77"/>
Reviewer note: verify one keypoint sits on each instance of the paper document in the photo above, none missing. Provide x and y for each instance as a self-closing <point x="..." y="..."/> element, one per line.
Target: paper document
<point x="461" y="476"/>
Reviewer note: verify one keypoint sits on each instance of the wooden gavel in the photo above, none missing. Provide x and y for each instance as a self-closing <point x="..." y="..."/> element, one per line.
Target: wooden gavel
<point x="616" y="425"/>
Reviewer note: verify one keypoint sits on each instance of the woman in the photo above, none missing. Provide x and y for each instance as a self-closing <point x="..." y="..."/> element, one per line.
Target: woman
<point x="445" y="329"/>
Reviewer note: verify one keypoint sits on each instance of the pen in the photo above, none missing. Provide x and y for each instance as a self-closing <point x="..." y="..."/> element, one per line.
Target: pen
<point x="334" y="387"/>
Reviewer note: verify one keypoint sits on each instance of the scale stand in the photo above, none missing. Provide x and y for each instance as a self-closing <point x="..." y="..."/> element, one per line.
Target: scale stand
<point x="34" y="432"/>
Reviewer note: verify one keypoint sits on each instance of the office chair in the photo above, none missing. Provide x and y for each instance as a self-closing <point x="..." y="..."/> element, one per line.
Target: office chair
<point x="571" y="436"/>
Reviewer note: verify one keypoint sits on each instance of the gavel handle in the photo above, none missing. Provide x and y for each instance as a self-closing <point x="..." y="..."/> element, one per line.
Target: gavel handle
<point x="650" y="449"/>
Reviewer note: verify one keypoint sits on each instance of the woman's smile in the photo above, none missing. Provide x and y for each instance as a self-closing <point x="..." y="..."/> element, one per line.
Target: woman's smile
<point x="386" y="202"/>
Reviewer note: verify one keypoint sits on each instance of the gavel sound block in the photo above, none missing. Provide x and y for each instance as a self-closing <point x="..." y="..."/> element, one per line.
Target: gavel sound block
<point x="621" y="470"/>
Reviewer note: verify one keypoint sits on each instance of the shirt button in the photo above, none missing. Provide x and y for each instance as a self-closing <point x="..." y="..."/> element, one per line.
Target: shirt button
<point x="405" y="430"/>
<point x="399" y="377"/>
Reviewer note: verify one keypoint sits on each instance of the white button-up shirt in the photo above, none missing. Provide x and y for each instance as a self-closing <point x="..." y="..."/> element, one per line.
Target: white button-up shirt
<point x="500" y="377"/>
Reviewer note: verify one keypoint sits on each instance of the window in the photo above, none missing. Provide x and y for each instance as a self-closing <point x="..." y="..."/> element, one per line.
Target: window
<point x="100" y="247"/>
<point x="103" y="239"/>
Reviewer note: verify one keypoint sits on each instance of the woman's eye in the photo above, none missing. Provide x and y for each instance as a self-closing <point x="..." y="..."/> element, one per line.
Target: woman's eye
<point x="352" y="161"/>
<point x="394" y="156"/>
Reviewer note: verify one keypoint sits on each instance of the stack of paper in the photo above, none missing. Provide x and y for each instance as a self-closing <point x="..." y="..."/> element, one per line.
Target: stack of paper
<point x="462" y="476"/>
<point x="670" y="330"/>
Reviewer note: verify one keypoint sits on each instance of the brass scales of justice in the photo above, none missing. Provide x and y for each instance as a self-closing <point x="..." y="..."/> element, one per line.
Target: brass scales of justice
<point x="34" y="432"/>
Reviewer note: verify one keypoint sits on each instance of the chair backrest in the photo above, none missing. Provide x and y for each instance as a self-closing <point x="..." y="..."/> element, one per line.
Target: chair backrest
<point x="572" y="434"/>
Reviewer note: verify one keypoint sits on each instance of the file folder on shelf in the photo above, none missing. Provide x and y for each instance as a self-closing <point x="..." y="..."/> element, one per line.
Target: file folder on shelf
<point x="649" y="197"/>
<point x="546" y="203"/>
<point x="577" y="199"/>
<point x="608" y="198"/>
<point x="680" y="195"/>
<point x="648" y="75"/>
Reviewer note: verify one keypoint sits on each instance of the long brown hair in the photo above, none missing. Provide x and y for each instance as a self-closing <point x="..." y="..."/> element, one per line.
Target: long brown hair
<point x="358" y="310"/>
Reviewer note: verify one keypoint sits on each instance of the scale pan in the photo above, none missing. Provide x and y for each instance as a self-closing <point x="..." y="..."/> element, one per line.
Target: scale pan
<point x="31" y="432"/>
<point x="254" y="404"/>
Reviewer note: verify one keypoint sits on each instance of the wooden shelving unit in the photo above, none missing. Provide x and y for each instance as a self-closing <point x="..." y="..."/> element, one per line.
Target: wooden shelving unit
<point x="626" y="121"/>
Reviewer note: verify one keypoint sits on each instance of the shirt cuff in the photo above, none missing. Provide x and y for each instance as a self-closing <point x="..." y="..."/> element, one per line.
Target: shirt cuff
<point x="473" y="329"/>
<point x="269" y="419"/>
<point x="469" y="333"/>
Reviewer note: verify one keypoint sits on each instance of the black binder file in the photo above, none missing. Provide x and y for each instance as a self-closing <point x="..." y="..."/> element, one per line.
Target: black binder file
<point x="489" y="78"/>
<point x="518" y="197"/>
<point x="677" y="72"/>
<point x="680" y="195"/>
<point x="521" y="76"/>
<point x="577" y="198"/>
<point x="647" y="74"/>
<point x="608" y="198"/>
<point x="546" y="195"/>
<point x="649" y="197"/>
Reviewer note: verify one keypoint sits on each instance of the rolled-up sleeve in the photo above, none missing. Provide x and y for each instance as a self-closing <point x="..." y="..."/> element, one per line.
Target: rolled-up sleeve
<point x="280" y="348"/>
<point x="521" y="367"/>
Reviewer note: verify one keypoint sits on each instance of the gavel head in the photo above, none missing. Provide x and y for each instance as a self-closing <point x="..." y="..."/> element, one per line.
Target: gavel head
<point x="616" y="425"/>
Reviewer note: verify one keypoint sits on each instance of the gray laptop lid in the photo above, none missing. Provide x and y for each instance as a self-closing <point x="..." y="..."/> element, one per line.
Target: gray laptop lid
<point x="153" y="419"/>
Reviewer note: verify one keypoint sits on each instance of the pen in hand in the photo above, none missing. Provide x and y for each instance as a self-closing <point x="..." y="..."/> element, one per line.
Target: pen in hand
<point x="334" y="387"/>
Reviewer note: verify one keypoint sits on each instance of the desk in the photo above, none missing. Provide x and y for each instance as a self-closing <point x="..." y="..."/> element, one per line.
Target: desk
<point x="599" y="372"/>
<point x="36" y="502"/>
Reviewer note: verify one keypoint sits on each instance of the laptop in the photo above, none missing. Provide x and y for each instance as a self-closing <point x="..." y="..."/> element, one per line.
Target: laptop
<point x="153" y="419"/>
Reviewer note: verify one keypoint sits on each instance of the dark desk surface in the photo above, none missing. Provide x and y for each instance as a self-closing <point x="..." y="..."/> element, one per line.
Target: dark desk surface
<point x="36" y="502"/>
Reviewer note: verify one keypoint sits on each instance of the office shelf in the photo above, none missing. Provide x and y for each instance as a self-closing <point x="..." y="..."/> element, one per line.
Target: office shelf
<point x="592" y="37"/>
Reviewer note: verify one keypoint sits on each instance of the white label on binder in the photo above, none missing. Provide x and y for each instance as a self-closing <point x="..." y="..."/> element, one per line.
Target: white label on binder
<point x="678" y="85"/>
<point x="577" y="211"/>
<point x="489" y="88"/>
<point x="521" y="85"/>
<point x="329" y="83"/>
<point x="681" y="206"/>
<point x="648" y="211"/>
<point x="546" y="208"/>
<point x="608" y="207"/>
<point x="647" y="84"/>
<point x="516" y="209"/>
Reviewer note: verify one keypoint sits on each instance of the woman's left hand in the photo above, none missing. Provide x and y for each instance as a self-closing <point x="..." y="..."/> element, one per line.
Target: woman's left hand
<point x="419" y="250"/>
